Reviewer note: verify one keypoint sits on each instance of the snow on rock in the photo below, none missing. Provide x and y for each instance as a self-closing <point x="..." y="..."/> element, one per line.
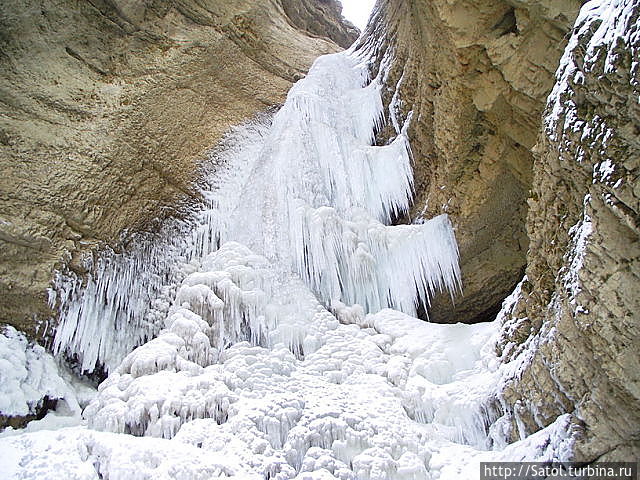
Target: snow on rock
<point x="579" y="235"/>
<point x="551" y="444"/>
<point x="606" y="25"/>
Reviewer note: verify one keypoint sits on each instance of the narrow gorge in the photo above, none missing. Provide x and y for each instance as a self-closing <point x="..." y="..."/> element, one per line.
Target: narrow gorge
<point x="246" y="240"/>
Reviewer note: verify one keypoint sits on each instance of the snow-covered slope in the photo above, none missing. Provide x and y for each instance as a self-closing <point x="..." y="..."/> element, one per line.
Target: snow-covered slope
<point x="378" y="396"/>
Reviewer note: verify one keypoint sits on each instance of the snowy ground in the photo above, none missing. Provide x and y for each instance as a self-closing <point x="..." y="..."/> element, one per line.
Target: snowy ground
<point x="382" y="396"/>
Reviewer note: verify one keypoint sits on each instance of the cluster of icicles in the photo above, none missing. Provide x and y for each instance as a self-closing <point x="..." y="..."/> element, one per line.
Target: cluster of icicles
<point x="309" y="193"/>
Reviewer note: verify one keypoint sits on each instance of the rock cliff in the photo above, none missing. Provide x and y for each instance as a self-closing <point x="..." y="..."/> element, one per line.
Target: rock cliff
<point x="476" y="74"/>
<point x="556" y="199"/>
<point x="108" y="106"/>
<point x="319" y="17"/>
<point x="576" y="321"/>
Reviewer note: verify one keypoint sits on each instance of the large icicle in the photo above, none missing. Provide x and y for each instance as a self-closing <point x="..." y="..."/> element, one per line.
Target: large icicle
<point x="117" y="308"/>
<point x="320" y="195"/>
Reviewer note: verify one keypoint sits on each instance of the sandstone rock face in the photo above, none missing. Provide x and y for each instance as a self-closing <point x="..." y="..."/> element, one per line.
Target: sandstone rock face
<point x="476" y="74"/>
<point x="319" y="17"/>
<point x="561" y="205"/>
<point x="576" y="324"/>
<point x="108" y="105"/>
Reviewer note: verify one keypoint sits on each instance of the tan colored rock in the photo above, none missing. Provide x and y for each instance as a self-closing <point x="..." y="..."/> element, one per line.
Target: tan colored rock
<point x="476" y="74"/>
<point x="318" y="17"/>
<point x="107" y="106"/>
<point x="578" y="318"/>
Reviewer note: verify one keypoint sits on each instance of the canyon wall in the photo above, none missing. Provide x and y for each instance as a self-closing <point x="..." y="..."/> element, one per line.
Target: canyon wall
<point x="108" y="107"/>
<point x="576" y="322"/>
<point x="476" y="74"/>
<point x="546" y="189"/>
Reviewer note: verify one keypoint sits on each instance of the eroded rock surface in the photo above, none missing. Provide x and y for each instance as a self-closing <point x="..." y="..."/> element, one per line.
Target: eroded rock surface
<point x="577" y="318"/>
<point x="108" y="105"/>
<point x="319" y="17"/>
<point x="476" y="74"/>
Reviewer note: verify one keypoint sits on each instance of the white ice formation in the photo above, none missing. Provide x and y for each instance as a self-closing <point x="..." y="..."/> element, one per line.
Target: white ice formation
<point x="28" y="374"/>
<point x="31" y="381"/>
<point x="308" y="192"/>
<point x="117" y="308"/>
<point x="288" y="349"/>
<point x="317" y="198"/>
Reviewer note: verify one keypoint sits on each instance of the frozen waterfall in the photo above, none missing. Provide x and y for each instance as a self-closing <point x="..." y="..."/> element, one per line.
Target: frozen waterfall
<point x="308" y="192"/>
<point x="276" y="333"/>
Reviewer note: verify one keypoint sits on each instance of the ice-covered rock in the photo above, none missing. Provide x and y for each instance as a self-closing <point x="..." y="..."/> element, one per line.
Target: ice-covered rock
<point x="309" y="193"/>
<point x="32" y="383"/>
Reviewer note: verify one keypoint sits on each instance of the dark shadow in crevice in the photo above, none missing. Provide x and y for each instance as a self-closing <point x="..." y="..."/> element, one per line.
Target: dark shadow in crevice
<point x="507" y="24"/>
<point x="489" y="315"/>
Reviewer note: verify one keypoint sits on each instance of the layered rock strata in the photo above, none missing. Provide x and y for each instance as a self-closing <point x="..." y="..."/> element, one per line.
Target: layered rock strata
<point x="476" y="74"/>
<point x="107" y="107"/>
<point x="576" y="324"/>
